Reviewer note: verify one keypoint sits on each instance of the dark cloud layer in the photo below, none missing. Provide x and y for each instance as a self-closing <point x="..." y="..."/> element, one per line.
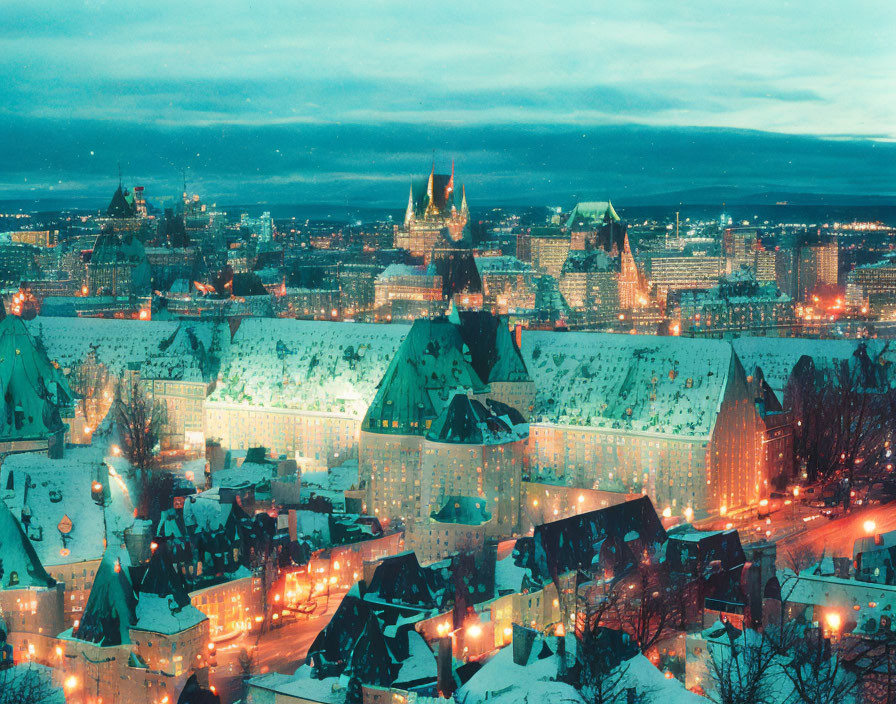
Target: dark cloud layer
<point x="371" y="164"/>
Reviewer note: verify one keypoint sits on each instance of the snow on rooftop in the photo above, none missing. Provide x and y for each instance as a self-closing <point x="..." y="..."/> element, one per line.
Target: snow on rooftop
<point x="509" y="576"/>
<point x="641" y="383"/>
<point x="59" y="488"/>
<point x="119" y="344"/>
<point x="160" y="614"/>
<point x="317" y="366"/>
<point x="303" y="686"/>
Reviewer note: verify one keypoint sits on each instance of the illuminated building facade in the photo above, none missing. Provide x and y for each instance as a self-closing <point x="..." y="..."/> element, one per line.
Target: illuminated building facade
<point x="432" y="211"/>
<point x="474" y="355"/>
<point x="408" y="292"/>
<point x="665" y="416"/>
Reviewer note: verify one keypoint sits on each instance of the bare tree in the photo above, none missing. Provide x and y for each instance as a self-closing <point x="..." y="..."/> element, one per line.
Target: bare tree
<point x="742" y="668"/>
<point x="843" y="414"/>
<point x="26" y="685"/>
<point x="139" y="421"/>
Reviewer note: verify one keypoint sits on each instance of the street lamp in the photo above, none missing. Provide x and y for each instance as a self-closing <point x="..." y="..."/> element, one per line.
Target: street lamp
<point x="870" y="526"/>
<point x="832" y="618"/>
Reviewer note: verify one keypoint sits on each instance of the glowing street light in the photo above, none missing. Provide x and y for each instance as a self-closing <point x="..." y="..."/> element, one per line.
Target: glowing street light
<point x="869" y="526"/>
<point x="832" y="618"/>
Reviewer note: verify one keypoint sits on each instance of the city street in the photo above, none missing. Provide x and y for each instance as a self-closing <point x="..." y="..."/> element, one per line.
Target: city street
<point x="280" y="650"/>
<point x="836" y="537"/>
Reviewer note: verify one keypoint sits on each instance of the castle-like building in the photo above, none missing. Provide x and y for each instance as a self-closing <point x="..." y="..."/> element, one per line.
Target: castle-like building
<point x="432" y="215"/>
<point x="449" y="419"/>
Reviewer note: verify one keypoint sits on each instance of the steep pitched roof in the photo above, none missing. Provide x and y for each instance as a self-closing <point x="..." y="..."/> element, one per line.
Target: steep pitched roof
<point x="31" y="389"/>
<point x="20" y="567"/>
<point x="466" y="421"/>
<point x="466" y="510"/>
<point x="493" y="351"/>
<point x="120" y="206"/>
<point x="432" y="362"/>
<point x="111" y="606"/>
<point x="578" y="541"/>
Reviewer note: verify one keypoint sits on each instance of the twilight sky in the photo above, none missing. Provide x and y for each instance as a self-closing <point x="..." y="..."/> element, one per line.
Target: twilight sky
<point x="323" y="101"/>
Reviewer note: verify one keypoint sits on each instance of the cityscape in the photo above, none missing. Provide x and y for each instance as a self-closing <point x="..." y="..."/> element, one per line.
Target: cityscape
<point x="325" y="384"/>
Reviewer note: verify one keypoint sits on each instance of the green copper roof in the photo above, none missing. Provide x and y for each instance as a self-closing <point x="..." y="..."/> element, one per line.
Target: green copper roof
<point x="466" y="510"/>
<point x="111" y="606"/>
<point x="430" y="365"/>
<point x="20" y="568"/>
<point x="593" y="212"/>
<point x="31" y="389"/>
<point x="466" y="421"/>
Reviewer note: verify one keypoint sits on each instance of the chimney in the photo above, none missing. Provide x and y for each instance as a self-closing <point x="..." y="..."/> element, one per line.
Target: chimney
<point x="293" y="526"/>
<point x="523" y="638"/>
<point x="445" y="667"/>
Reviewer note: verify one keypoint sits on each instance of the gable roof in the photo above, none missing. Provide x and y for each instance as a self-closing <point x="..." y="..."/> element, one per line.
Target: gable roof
<point x="578" y="541"/>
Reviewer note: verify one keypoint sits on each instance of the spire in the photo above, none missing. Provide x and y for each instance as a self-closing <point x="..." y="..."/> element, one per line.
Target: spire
<point x="450" y="189"/>
<point x="409" y="213"/>
<point x="463" y="203"/>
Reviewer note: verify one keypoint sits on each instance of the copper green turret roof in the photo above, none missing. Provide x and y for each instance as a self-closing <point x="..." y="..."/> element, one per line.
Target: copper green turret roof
<point x="593" y="213"/>
<point x="430" y="365"/>
<point x="32" y="390"/>
<point x="20" y="568"/>
<point x="111" y="606"/>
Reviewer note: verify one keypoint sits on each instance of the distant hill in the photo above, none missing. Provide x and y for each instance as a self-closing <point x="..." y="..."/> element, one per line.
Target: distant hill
<point x="732" y="195"/>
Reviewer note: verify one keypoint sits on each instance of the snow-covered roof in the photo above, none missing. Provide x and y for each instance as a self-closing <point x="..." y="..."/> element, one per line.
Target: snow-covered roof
<point x="668" y="386"/>
<point x="119" y="344"/>
<point x="161" y="614"/>
<point x="307" y="365"/>
<point x="186" y="355"/>
<point x="21" y="567"/>
<point x="60" y="488"/>
<point x="873" y="600"/>
<point x="304" y="686"/>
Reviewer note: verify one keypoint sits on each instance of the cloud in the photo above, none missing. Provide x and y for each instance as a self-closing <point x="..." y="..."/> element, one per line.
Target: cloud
<point x="371" y="164"/>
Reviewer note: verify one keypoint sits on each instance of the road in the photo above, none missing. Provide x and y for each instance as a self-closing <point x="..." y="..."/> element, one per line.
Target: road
<point x="280" y="650"/>
<point x="836" y="537"/>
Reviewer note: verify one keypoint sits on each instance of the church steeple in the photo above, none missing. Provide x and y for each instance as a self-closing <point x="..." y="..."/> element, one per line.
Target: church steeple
<point x="409" y="213"/>
<point x="464" y="210"/>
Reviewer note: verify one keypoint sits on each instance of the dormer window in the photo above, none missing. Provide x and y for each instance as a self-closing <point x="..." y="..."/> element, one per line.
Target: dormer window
<point x="13" y="578"/>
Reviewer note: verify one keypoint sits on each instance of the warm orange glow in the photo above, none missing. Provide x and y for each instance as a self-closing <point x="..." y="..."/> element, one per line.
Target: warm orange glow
<point x="71" y="682"/>
<point x="869" y="526"/>
<point x="474" y="631"/>
<point x="153" y="546"/>
<point x="832" y="618"/>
